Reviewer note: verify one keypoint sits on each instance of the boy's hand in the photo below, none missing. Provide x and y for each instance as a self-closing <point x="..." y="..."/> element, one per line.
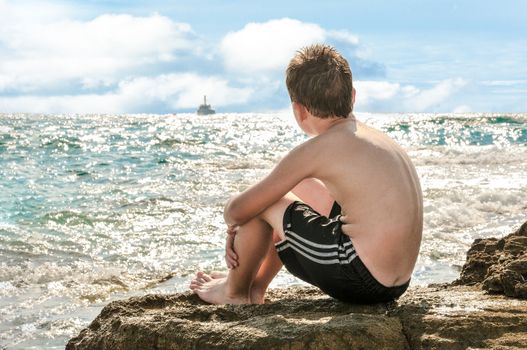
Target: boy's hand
<point x="231" y="258"/>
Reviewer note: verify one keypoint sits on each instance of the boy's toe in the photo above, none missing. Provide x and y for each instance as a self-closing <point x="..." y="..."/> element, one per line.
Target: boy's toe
<point x="206" y="277"/>
<point x="196" y="282"/>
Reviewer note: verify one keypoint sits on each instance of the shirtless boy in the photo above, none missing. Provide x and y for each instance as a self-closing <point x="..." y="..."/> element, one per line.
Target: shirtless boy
<point x="342" y="211"/>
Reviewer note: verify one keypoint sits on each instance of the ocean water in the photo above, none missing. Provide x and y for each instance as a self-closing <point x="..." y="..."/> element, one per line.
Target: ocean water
<point x="95" y="208"/>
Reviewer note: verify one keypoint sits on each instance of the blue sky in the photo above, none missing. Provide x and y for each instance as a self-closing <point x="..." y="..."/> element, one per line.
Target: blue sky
<point x="163" y="56"/>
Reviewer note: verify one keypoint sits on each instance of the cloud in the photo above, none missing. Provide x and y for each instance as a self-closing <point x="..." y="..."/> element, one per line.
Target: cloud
<point x="343" y="36"/>
<point x="381" y="96"/>
<point x="169" y="92"/>
<point x="25" y="13"/>
<point x="504" y="82"/>
<point x="40" y="49"/>
<point x="425" y="99"/>
<point x="185" y="90"/>
<point x="462" y="109"/>
<point x="264" y="48"/>
<point x="369" y="91"/>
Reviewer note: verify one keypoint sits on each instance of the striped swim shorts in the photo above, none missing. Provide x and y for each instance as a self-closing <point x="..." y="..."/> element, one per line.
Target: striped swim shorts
<point x="317" y="251"/>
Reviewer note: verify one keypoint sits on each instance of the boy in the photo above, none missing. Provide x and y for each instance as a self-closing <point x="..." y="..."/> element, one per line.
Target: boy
<point x="344" y="208"/>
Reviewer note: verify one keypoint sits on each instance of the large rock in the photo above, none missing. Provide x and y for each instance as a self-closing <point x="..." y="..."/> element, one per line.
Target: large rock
<point x="499" y="265"/>
<point x="434" y="317"/>
<point x="296" y="318"/>
<point x="440" y="317"/>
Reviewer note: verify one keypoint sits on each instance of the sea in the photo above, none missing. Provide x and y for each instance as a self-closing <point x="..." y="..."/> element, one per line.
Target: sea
<point x="95" y="208"/>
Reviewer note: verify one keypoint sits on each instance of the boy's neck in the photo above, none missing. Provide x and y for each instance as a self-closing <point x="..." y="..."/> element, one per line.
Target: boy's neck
<point x="313" y="125"/>
<point x="321" y="125"/>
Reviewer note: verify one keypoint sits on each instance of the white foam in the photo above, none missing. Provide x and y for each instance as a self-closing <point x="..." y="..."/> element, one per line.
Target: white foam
<point x="469" y="155"/>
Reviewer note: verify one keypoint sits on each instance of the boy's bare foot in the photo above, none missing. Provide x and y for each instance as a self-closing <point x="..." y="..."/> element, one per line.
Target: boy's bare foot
<point x="214" y="290"/>
<point x="218" y="274"/>
<point x="257" y="295"/>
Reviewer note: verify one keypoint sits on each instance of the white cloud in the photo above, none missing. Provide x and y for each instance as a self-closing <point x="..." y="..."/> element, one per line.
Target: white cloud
<point x="173" y="91"/>
<point x="503" y="82"/>
<point x="425" y="99"/>
<point x="40" y="48"/>
<point x="268" y="47"/>
<point x="394" y="96"/>
<point x="25" y="13"/>
<point x="368" y="91"/>
<point x="261" y="47"/>
<point x="343" y="36"/>
<point x="184" y="90"/>
<point x="264" y="49"/>
<point x="462" y="109"/>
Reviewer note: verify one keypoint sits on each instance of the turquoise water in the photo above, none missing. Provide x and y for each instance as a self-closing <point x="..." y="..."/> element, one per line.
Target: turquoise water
<point x="101" y="207"/>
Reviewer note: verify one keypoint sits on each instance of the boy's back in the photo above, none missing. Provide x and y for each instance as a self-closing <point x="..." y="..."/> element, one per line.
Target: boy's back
<point x="375" y="183"/>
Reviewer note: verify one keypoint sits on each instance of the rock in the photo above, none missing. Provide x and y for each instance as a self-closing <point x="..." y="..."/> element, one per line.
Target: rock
<point x="439" y="317"/>
<point x="500" y="266"/>
<point x="445" y="316"/>
<point x="295" y="318"/>
<point x="461" y="317"/>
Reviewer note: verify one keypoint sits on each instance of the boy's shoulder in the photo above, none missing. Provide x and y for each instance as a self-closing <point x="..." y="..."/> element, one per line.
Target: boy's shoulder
<point x="322" y="147"/>
<point x="345" y="140"/>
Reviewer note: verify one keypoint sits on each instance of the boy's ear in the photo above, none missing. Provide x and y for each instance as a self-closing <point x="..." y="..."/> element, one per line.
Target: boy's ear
<point x="300" y="112"/>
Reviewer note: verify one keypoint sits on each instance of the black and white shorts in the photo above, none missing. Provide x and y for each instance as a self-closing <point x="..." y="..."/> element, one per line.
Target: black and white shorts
<point x="317" y="251"/>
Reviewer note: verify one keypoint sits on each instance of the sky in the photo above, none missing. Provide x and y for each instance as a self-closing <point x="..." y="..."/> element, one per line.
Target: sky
<point x="157" y="56"/>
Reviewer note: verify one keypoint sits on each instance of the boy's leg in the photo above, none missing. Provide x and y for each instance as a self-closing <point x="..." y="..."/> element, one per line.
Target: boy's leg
<point x="270" y="266"/>
<point x="309" y="191"/>
<point x="255" y="250"/>
<point x="251" y="244"/>
<point x="268" y="270"/>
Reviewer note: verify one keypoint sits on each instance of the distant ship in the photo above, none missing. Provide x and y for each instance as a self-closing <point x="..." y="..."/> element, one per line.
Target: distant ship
<point x="205" y="109"/>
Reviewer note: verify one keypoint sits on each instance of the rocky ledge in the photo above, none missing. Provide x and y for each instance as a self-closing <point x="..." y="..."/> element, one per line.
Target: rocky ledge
<point x="498" y="265"/>
<point x="450" y="316"/>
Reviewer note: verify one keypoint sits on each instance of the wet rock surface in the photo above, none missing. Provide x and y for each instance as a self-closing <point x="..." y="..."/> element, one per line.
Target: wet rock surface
<point x="434" y="317"/>
<point x="498" y="265"/>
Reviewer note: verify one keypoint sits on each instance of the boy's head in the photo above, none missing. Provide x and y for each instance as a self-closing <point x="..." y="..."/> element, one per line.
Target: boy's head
<point x="320" y="79"/>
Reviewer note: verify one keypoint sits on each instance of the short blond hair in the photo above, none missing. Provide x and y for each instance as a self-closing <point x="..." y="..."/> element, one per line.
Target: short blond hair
<point x="319" y="78"/>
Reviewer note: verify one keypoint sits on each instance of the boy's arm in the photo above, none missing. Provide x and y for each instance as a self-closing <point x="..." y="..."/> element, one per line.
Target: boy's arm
<point x="293" y="168"/>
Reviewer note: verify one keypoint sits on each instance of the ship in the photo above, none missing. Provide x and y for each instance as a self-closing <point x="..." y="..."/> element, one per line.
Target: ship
<point x="205" y="109"/>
